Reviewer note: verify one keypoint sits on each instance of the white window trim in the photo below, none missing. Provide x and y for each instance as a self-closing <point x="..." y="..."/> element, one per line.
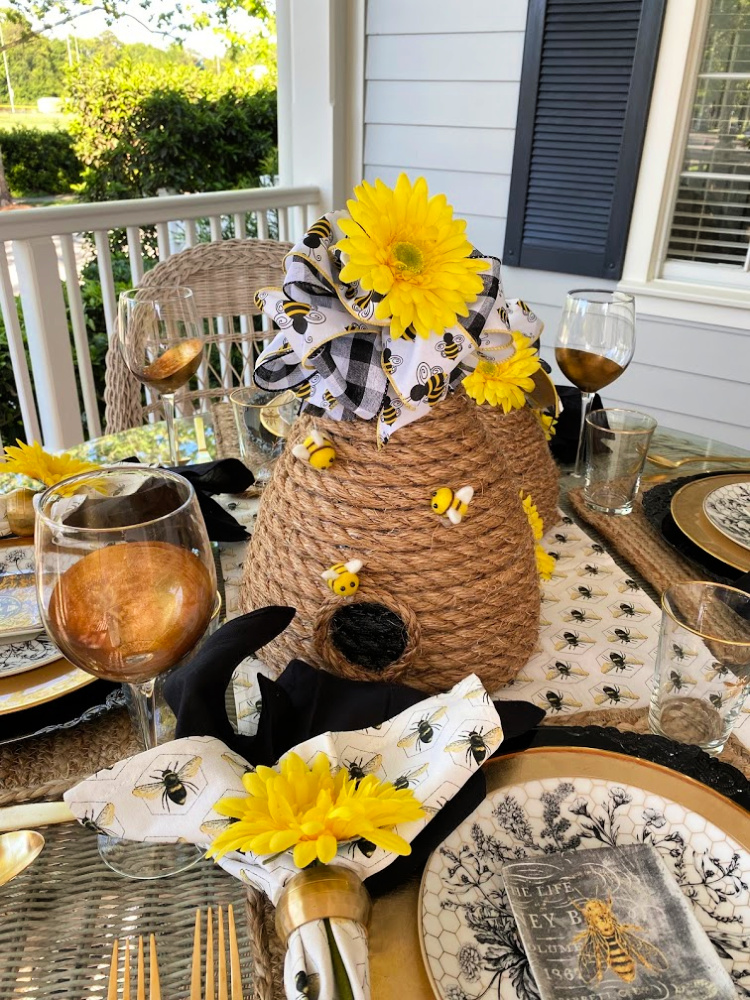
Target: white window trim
<point x="680" y="292"/>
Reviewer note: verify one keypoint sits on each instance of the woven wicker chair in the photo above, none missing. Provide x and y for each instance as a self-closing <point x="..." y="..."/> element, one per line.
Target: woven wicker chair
<point x="224" y="276"/>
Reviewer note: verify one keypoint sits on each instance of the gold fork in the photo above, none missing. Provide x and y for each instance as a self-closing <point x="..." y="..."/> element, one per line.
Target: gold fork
<point x="234" y="959"/>
<point x="671" y="463"/>
<point x="154" y="992"/>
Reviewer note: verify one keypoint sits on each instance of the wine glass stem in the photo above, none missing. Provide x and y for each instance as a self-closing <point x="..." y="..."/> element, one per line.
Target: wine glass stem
<point x="145" y="711"/>
<point x="586" y="400"/>
<point x="168" y="401"/>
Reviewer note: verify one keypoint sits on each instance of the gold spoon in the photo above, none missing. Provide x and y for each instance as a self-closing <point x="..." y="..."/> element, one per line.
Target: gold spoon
<point x="17" y="851"/>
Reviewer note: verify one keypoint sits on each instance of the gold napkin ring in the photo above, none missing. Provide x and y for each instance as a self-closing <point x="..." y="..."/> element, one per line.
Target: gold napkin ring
<point x="315" y="893"/>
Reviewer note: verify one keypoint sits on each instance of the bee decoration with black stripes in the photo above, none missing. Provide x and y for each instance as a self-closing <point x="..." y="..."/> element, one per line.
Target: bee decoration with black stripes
<point x="432" y="385"/>
<point x="450" y="345"/>
<point x="298" y="316"/>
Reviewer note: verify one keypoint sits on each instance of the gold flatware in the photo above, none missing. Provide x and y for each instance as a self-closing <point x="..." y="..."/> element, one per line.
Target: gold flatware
<point x="17" y="851"/>
<point x="154" y="986"/>
<point x="221" y="970"/>
<point x="34" y="814"/>
<point x="671" y="463"/>
<point x="202" y="455"/>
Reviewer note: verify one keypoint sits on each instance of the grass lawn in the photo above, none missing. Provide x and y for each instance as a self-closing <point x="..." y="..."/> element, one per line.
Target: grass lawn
<point x="32" y="119"/>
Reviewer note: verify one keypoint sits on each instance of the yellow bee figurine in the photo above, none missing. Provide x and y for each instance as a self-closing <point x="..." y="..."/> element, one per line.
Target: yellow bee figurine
<point x="316" y="449"/>
<point x="342" y="577"/>
<point x="453" y="505"/>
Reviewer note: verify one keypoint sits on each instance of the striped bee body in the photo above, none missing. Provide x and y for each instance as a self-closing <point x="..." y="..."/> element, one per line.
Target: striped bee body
<point x="316" y="450"/>
<point x="431" y="390"/>
<point x="452" y="505"/>
<point x="342" y="578"/>
<point x="389" y="412"/>
<point x="319" y="231"/>
<point x="329" y="399"/>
<point x="303" y="390"/>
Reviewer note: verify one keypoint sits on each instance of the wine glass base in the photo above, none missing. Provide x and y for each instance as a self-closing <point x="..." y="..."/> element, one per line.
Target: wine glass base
<point x="136" y="860"/>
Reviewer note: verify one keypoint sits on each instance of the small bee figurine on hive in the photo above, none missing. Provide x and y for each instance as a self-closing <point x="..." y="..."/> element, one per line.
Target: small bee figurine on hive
<point x="342" y="577"/>
<point x="453" y="505"/>
<point x="316" y="449"/>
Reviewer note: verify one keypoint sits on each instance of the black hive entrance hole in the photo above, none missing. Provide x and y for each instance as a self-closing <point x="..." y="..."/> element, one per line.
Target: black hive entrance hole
<point x="369" y="635"/>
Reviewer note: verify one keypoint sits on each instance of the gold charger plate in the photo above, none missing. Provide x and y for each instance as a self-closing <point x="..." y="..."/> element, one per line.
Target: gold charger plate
<point x="396" y="960"/>
<point x="690" y="518"/>
<point x="41" y="685"/>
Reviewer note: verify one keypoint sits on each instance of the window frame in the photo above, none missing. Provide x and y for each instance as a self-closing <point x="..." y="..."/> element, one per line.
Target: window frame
<point x="687" y="290"/>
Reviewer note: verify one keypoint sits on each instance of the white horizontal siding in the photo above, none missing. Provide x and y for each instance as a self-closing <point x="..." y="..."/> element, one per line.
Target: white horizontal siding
<point x="441" y="94"/>
<point x="426" y="17"/>
<point x="464" y="104"/>
<point x="478" y="150"/>
<point x="490" y="56"/>
<point x="441" y="97"/>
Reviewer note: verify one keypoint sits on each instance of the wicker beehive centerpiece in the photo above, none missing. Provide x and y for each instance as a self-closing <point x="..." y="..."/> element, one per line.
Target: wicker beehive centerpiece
<point x="435" y="601"/>
<point x="393" y="522"/>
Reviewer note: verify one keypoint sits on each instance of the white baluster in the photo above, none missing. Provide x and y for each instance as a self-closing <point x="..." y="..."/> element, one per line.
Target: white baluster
<point x="17" y="352"/>
<point x="80" y="336"/>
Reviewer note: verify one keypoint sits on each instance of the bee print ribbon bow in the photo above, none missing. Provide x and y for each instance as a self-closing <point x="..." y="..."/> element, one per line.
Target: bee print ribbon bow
<point x="168" y="794"/>
<point x="342" y="362"/>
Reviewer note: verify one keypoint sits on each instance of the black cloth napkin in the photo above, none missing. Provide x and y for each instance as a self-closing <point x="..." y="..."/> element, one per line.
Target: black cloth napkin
<point x="564" y="443"/>
<point x="155" y="498"/>
<point x="305" y="702"/>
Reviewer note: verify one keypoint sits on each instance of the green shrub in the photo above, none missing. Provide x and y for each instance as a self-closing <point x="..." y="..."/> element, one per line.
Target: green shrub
<point x="139" y="129"/>
<point x="39" y="162"/>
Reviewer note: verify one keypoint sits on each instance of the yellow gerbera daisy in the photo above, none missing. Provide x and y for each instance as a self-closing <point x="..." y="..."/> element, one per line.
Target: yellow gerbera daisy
<point x="503" y="383"/>
<point x="32" y="461"/>
<point x="547" y="422"/>
<point x="534" y="517"/>
<point x="313" y="810"/>
<point x="545" y="563"/>
<point x="408" y="248"/>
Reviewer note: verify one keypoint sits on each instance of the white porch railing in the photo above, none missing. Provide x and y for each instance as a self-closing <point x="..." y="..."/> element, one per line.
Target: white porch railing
<point x="44" y="253"/>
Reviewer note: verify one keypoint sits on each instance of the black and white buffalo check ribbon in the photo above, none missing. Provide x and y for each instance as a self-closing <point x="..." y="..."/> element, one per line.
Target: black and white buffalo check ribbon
<point x="342" y="362"/>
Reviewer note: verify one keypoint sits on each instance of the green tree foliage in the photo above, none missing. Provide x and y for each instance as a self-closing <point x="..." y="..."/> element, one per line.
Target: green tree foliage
<point x="39" y="162"/>
<point x="138" y="129"/>
<point x="36" y="67"/>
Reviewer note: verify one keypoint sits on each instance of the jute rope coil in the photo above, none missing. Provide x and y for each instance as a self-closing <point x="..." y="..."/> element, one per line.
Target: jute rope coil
<point x="467" y="594"/>
<point x="223" y="276"/>
<point x="519" y="438"/>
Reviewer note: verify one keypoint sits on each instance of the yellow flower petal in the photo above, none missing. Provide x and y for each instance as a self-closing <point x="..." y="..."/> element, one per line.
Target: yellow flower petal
<point x="305" y="853"/>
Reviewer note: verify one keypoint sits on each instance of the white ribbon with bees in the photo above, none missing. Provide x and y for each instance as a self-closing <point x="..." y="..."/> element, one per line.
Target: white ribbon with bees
<point x="167" y="794"/>
<point x="342" y="362"/>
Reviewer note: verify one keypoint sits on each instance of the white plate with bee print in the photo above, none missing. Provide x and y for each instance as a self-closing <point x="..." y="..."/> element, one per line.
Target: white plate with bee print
<point x="728" y="509"/>
<point x="27" y="654"/>
<point x="553" y="799"/>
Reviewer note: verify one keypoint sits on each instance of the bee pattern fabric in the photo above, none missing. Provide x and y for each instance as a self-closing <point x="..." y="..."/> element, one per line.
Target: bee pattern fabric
<point x="342" y="362"/>
<point x="435" y="601"/>
<point x="168" y="793"/>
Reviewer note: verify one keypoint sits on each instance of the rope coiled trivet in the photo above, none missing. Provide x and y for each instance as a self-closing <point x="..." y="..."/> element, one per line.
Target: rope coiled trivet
<point x="473" y="588"/>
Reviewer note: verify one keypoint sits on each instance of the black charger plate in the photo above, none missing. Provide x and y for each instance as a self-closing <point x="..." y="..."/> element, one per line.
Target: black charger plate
<point x="90" y="703"/>
<point x="657" y="506"/>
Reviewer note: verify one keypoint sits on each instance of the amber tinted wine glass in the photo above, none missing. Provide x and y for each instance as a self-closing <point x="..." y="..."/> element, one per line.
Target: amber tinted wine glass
<point x="594" y="346"/>
<point x="125" y="594"/>
<point x="162" y="343"/>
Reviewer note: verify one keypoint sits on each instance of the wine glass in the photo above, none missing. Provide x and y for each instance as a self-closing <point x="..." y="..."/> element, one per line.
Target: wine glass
<point x="594" y="346"/>
<point x="162" y="343"/>
<point x="126" y="585"/>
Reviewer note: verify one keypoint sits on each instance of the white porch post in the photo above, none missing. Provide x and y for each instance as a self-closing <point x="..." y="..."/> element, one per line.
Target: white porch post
<point x="320" y="55"/>
<point x="49" y="342"/>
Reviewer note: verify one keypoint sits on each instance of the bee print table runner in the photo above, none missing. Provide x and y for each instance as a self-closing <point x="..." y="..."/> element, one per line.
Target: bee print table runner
<point x="598" y="636"/>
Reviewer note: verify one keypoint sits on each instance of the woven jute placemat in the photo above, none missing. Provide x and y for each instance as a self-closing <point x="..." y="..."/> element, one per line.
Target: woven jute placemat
<point x="47" y="766"/>
<point x="634" y="540"/>
<point x="225" y="431"/>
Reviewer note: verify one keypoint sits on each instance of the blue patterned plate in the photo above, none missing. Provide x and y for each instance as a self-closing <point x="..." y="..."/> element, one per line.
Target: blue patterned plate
<point x="551" y="800"/>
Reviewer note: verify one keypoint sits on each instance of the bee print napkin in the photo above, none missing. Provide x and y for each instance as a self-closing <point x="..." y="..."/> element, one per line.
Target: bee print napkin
<point x="168" y="793"/>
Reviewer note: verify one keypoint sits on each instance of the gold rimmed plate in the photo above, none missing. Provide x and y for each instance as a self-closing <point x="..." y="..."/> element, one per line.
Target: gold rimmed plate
<point x="546" y="800"/>
<point x="19" y="611"/>
<point x="690" y="518"/>
<point x="39" y="686"/>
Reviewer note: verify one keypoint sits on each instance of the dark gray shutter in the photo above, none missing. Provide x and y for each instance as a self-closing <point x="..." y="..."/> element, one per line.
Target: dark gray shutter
<point x="588" y="69"/>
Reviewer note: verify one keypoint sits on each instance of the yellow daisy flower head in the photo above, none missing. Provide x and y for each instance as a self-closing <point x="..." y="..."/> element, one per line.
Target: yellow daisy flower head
<point x="407" y="247"/>
<point x="32" y="461"/>
<point x="547" y="422"/>
<point x="545" y="563"/>
<point x="504" y="383"/>
<point x="313" y="810"/>
<point x="534" y="517"/>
